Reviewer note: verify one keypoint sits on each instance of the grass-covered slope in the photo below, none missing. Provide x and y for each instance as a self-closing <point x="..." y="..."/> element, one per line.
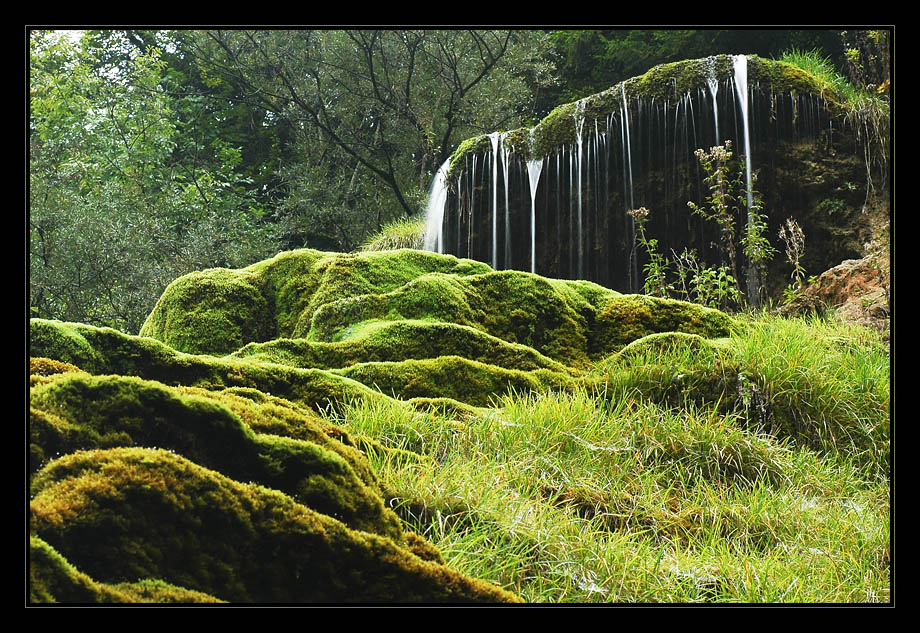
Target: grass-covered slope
<point x="405" y="426"/>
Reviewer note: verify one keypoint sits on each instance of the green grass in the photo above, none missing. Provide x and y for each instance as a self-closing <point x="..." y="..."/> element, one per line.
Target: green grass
<point x="612" y="493"/>
<point x="402" y="233"/>
<point x="823" y="70"/>
<point x="869" y="114"/>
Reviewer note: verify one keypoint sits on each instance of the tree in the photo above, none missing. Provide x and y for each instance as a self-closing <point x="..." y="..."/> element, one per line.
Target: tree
<point x="114" y="215"/>
<point x="383" y="106"/>
<point x="590" y="61"/>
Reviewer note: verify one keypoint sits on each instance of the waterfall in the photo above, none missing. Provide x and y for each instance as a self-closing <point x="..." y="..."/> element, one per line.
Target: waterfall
<point x="579" y="126"/>
<point x="741" y="88"/>
<point x="534" y="168"/>
<point x="495" y="137"/>
<point x="627" y="164"/>
<point x="434" y="211"/>
<point x="469" y="238"/>
<point x="713" y="83"/>
<point x="639" y="151"/>
<point x="505" y="153"/>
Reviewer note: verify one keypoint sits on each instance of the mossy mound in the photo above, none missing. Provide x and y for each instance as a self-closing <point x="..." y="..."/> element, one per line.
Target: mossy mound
<point x="79" y="412"/>
<point x="53" y="579"/>
<point x="388" y="341"/>
<point x="194" y="456"/>
<point x="454" y="378"/>
<point x="370" y="325"/>
<point x="337" y="310"/>
<point x="277" y="298"/>
<point x="195" y="528"/>
<point x="629" y="318"/>
<point x="124" y="483"/>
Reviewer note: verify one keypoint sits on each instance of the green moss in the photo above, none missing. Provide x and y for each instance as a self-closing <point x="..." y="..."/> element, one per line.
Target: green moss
<point x="106" y="351"/>
<point x="380" y="341"/>
<point x="453" y="377"/>
<point x="130" y="513"/>
<point x="630" y="317"/>
<point x="469" y="146"/>
<point x="665" y="82"/>
<point x="212" y="312"/>
<point x="78" y="412"/>
<point x="52" y="579"/>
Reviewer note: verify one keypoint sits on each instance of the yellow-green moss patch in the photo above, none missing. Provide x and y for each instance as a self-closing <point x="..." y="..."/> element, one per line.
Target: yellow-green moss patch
<point x="129" y="513"/>
<point x="78" y="412"/>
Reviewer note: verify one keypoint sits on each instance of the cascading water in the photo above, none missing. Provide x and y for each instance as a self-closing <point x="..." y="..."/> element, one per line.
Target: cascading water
<point x="713" y="83"/>
<point x="741" y="87"/>
<point x="506" y="152"/>
<point x="616" y="151"/>
<point x="579" y="127"/>
<point x="627" y="162"/>
<point x="495" y="137"/>
<point x="534" y="169"/>
<point x="434" y="211"/>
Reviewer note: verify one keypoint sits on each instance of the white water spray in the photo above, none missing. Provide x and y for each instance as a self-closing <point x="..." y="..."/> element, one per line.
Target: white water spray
<point x="506" y="151"/>
<point x="714" y="91"/>
<point x="495" y="137"/>
<point x="534" y="168"/>
<point x="579" y="126"/>
<point x="434" y="212"/>
<point x="627" y="153"/>
<point x="741" y="88"/>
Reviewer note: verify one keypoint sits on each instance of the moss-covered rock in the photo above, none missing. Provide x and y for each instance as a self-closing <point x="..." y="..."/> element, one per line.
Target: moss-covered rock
<point x="52" y="579"/>
<point x="632" y="317"/>
<point x="107" y="351"/>
<point x="455" y="378"/>
<point x="663" y="82"/>
<point x="215" y="311"/>
<point x="128" y="513"/>
<point x="79" y="412"/>
<point x="202" y="465"/>
<point x="391" y="341"/>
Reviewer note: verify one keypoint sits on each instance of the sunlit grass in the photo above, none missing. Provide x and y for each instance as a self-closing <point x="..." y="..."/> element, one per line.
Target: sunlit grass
<point x="402" y="233"/>
<point x="604" y="495"/>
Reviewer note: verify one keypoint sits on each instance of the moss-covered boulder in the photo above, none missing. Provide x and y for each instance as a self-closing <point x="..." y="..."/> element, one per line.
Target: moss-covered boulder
<point x="195" y="457"/>
<point x="80" y="412"/>
<point x="130" y="478"/>
<point x="374" y="325"/>
<point x="53" y="579"/>
<point x="632" y="317"/>
<point x="128" y="513"/>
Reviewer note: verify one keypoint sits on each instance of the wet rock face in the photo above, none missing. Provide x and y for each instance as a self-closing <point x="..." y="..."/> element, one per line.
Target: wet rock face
<point x="633" y="146"/>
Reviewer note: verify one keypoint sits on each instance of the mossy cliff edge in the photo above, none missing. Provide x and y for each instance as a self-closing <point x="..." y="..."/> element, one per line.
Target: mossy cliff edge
<point x="665" y="81"/>
<point x="190" y="463"/>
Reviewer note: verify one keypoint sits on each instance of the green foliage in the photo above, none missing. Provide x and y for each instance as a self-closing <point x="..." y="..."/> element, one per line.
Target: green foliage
<point x="657" y="267"/>
<point x="865" y="95"/>
<point x="792" y="236"/>
<point x="821" y="67"/>
<point x="374" y="112"/>
<point x="116" y="207"/>
<point x="403" y="233"/>
<point x="726" y="188"/>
